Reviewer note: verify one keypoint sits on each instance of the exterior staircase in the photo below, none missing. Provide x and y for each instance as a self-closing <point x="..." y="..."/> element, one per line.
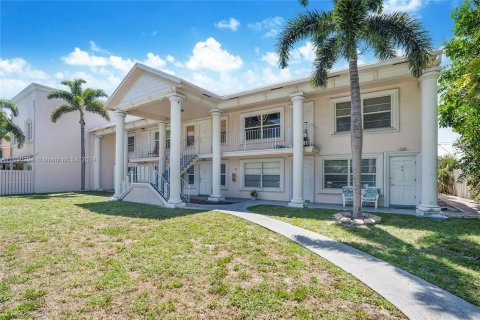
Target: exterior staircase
<point x="186" y="160"/>
<point x="160" y="182"/>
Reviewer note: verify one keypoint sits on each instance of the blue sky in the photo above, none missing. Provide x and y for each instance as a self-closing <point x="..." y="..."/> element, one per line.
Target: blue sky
<point x="224" y="46"/>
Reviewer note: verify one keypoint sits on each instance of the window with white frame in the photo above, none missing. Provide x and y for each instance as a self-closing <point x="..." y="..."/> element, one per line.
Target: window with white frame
<point x="223" y="174"/>
<point x="131" y="143"/>
<point x="262" y="174"/>
<point x="262" y="126"/>
<point x="223" y="131"/>
<point x="337" y="173"/>
<point x="28" y="130"/>
<point x="378" y="111"/>
<point x="190" y="134"/>
<point x="156" y="142"/>
<point x="190" y="175"/>
<point x="167" y="139"/>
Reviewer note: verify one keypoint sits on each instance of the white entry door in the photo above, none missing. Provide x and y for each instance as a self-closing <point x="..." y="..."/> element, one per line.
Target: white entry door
<point x="205" y="134"/>
<point x="205" y="177"/>
<point x="403" y="181"/>
<point x="145" y="143"/>
<point x="308" y="179"/>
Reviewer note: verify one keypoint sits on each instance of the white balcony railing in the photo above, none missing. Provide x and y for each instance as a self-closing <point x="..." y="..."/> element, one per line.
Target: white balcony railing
<point x="249" y="139"/>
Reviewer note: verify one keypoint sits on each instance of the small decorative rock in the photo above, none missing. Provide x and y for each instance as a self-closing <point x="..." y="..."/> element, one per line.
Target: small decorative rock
<point x="345" y="220"/>
<point x="358" y="221"/>
<point x="338" y="216"/>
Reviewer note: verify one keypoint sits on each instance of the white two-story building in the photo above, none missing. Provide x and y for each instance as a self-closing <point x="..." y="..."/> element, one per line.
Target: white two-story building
<point x="289" y="142"/>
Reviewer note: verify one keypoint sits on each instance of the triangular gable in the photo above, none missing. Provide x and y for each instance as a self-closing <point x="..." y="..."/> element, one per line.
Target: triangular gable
<point x="140" y="82"/>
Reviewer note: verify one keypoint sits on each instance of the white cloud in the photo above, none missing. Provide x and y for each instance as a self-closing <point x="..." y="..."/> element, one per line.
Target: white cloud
<point x="82" y="58"/>
<point x="307" y="51"/>
<point x="231" y="24"/>
<point x="210" y="55"/>
<point x="59" y="75"/>
<point x="154" y="61"/>
<point x="271" y="58"/>
<point x="271" y="26"/>
<point x="170" y="58"/>
<point x="403" y="5"/>
<point x="94" y="47"/>
<point x="16" y="74"/>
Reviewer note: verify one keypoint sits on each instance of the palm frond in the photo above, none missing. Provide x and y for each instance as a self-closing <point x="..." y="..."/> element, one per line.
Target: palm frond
<point x="311" y="23"/>
<point x="97" y="106"/>
<point x="326" y="56"/>
<point x="382" y="47"/>
<point x="405" y="32"/>
<point x="61" y="110"/>
<point x="7" y="104"/>
<point x="74" y="85"/>
<point x="303" y="2"/>
<point x="16" y="132"/>
<point x="92" y="94"/>
<point x="349" y="17"/>
<point x="62" y="94"/>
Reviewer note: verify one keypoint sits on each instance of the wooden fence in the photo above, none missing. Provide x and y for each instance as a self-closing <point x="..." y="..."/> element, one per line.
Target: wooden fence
<point x="16" y="182"/>
<point x="460" y="188"/>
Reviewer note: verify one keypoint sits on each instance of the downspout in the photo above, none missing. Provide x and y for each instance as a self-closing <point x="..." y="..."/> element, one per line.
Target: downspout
<point x="34" y="162"/>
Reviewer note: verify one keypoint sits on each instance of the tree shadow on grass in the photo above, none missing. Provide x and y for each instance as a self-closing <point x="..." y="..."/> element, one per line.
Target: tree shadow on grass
<point x="45" y="196"/>
<point x="425" y="294"/>
<point x="136" y="210"/>
<point x="442" y="252"/>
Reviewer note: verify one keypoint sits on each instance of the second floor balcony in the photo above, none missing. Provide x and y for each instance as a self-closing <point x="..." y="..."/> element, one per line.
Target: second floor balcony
<point x="248" y="140"/>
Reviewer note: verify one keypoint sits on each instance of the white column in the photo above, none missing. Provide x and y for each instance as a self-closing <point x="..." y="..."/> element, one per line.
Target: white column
<point x="175" y="141"/>
<point x="162" y="149"/>
<point x="429" y="153"/>
<point x="297" y="172"/>
<point x="125" y="156"/>
<point x="119" y="152"/>
<point x="96" y="168"/>
<point x="216" y="155"/>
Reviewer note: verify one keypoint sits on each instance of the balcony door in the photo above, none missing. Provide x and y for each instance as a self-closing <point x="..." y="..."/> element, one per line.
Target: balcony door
<point x="205" y="134"/>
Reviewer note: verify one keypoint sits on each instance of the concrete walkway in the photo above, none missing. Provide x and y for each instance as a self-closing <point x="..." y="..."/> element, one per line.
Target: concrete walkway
<point x="416" y="298"/>
<point x="467" y="208"/>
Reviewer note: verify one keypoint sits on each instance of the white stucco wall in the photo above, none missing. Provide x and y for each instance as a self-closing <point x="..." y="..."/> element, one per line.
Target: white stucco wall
<point x="56" y="146"/>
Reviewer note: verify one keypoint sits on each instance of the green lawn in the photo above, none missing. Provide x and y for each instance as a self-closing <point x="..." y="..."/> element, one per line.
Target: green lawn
<point x="70" y="255"/>
<point x="446" y="253"/>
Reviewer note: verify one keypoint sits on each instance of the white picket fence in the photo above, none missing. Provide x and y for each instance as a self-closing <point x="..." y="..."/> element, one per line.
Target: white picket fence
<point x="16" y="182"/>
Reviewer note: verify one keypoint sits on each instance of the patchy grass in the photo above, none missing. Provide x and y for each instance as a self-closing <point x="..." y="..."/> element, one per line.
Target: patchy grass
<point x="446" y="253"/>
<point x="70" y="255"/>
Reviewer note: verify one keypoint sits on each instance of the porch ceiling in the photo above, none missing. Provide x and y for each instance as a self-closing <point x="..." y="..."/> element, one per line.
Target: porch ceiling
<point x="160" y="110"/>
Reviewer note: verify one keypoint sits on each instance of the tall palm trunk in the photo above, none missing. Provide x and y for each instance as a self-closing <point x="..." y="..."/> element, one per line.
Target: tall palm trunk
<point x="356" y="133"/>
<point x="82" y="154"/>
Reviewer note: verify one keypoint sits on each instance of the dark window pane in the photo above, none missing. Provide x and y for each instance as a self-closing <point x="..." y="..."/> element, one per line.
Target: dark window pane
<point x="222" y="180"/>
<point x="252" y="121"/>
<point x="222" y="168"/>
<point x="271" y="132"/>
<point x="342" y="109"/>
<point x="377" y="120"/>
<point x="335" y="181"/>
<point x="377" y="104"/>
<point x="343" y="124"/>
<point x="336" y="166"/>
<point x="273" y="118"/>
<point x="252" y="181"/>
<point x="253" y="134"/>
<point x="271" y="181"/>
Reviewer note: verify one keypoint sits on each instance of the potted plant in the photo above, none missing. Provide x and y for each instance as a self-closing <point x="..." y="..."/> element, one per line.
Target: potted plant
<point x="253" y="194"/>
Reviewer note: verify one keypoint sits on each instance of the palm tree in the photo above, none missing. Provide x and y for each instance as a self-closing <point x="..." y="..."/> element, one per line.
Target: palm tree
<point x="7" y="127"/>
<point x="355" y="26"/>
<point x="82" y="101"/>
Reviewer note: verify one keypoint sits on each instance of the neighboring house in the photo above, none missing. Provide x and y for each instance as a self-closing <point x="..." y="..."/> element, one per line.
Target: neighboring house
<point x="290" y="141"/>
<point x="51" y="150"/>
<point x="4" y="149"/>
